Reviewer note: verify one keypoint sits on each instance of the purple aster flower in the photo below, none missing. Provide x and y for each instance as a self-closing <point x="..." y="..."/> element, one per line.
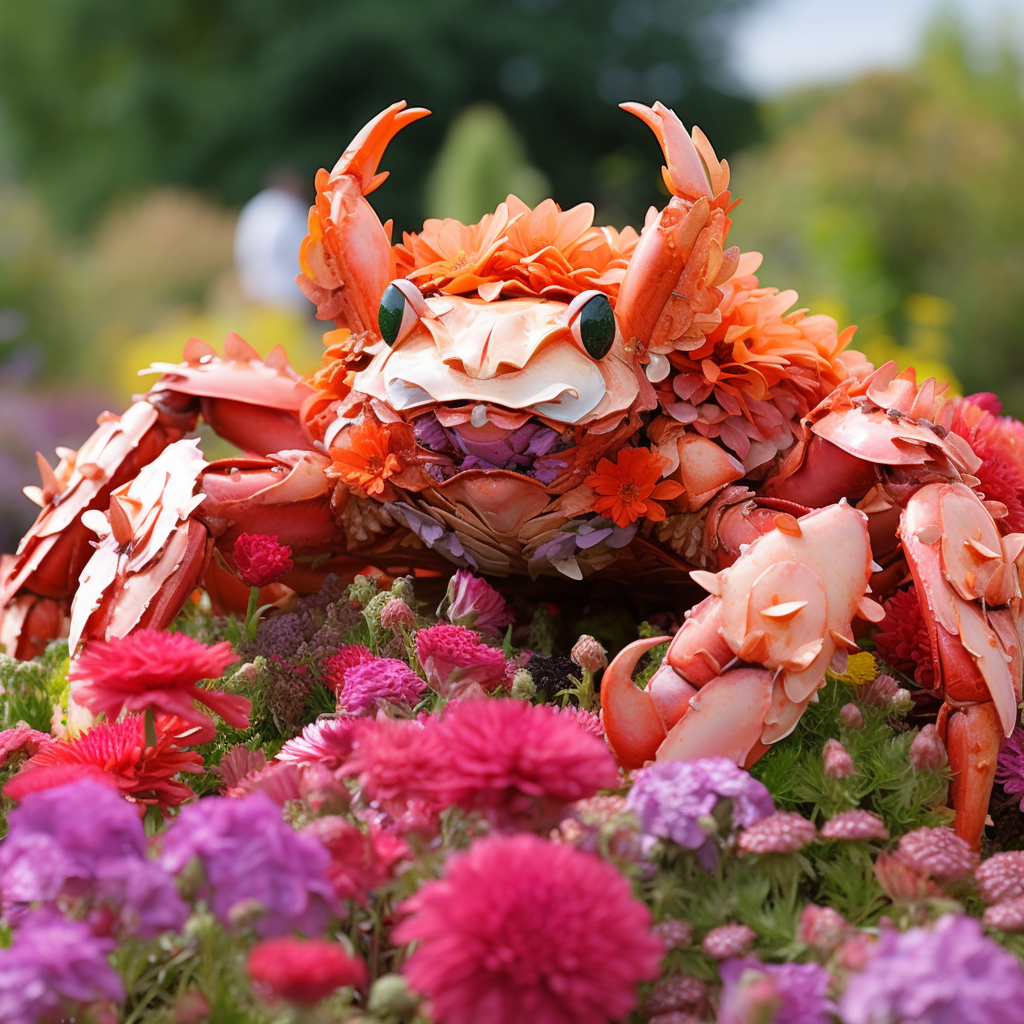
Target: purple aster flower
<point x="797" y="993"/>
<point x="672" y="797"/>
<point x="84" y="844"/>
<point x="952" y="973"/>
<point x="52" y="967"/>
<point x="381" y="679"/>
<point x="254" y="863"/>
<point x="1010" y="767"/>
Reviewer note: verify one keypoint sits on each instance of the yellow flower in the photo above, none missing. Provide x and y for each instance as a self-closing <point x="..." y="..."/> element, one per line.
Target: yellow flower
<point x="861" y="669"/>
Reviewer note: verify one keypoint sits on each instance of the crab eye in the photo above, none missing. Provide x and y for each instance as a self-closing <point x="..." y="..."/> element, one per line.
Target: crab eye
<point x="596" y="326"/>
<point x="392" y="312"/>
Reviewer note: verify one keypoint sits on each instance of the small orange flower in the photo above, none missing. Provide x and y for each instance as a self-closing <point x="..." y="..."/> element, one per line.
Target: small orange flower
<point x="629" y="487"/>
<point x="367" y="459"/>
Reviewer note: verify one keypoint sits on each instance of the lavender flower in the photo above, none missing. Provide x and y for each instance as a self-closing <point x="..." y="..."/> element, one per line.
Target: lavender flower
<point x="53" y="966"/>
<point x="253" y="861"/>
<point x="798" y="992"/>
<point x="951" y="973"/>
<point x="84" y="845"/>
<point x="675" y="800"/>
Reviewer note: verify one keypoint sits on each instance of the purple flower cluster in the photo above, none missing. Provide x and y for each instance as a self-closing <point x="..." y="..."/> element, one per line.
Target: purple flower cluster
<point x="52" y="966"/>
<point x="672" y="797"/>
<point x="781" y="993"/>
<point x="950" y="973"/>
<point x="255" y="865"/>
<point x="84" y="845"/>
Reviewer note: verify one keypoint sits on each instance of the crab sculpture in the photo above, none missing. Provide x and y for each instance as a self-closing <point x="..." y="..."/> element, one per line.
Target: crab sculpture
<point x="536" y="395"/>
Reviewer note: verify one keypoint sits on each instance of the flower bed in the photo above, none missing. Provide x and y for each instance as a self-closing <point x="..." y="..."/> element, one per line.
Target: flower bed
<point x="405" y="816"/>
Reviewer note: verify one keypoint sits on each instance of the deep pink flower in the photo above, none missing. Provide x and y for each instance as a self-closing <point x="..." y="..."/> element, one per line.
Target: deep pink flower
<point x="902" y="638"/>
<point x="261" y="559"/>
<point x="329" y="742"/>
<point x="383" y="680"/>
<point x="518" y="762"/>
<point x="303" y="971"/>
<point x="338" y="664"/>
<point x="456" y="661"/>
<point x="158" y="670"/>
<point x="360" y="861"/>
<point x="520" y="929"/>
<point x="586" y="720"/>
<point x="474" y="602"/>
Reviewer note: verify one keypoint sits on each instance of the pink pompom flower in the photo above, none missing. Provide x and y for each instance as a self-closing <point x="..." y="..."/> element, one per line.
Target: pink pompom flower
<point x="938" y="853"/>
<point x="383" y="680"/>
<point x="457" y="662"/>
<point x="855" y="824"/>
<point x="303" y="971"/>
<point x="520" y="929"/>
<point x="781" y="832"/>
<point x="474" y="602"/>
<point x="150" y="669"/>
<point x="260" y="559"/>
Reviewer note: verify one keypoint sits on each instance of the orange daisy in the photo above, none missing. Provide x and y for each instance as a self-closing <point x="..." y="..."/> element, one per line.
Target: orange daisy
<point x="629" y="487"/>
<point x="367" y="460"/>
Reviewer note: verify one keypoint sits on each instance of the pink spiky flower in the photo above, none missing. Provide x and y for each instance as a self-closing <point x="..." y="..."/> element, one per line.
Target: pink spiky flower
<point x="781" y="832"/>
<point x="855" y="824"/>
<point x="728" y="940"/>
<point x="261" y="559"/>
<point x="153" y="670"/>
<point x="1001" y="877"/>
<point x="938" y="853"/>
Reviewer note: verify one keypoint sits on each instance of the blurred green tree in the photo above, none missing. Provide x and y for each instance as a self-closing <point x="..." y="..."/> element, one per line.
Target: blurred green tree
<point x="104" y="99"/>
<point x="895" y="202"/>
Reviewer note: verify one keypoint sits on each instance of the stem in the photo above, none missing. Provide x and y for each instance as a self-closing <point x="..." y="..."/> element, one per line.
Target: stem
<point x="585" y="691"/>
<point x="149" y="720"/>
<point x="251" y="618"/>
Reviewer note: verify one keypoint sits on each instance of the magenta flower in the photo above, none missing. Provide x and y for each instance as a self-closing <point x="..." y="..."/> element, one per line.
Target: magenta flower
<point x="1010" y="766"/>
<point x="52" y="968"/>
<point x="474" y="602"/>
<point x="520" y="929"/>
<point x="950" y="973"/>
<point x="254" y="863"/>
<point x="261" y="559"/>
<point x="369" y="684"/>
<point x="672" y="797"/>
<point x="798" y="993"/>
<point x="338" y="664"/>
<point x="329" y="742"/>
<point x="456" y="661"/>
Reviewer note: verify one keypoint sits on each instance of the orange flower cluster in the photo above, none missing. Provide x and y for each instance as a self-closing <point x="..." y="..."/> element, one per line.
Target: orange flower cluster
<point x="628" y="488"/>
<point x="367" y="460"/>
<point x="517" y="251"/>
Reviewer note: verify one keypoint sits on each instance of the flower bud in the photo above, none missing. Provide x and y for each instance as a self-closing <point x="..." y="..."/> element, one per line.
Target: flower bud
<point x="523" y="686"/>
<point x="851" y="717"/>
<point x="901" y="882"/>
<point x="822" y="927"/>
<point x="589" y="654"/>
<point x="390" y="997"/>
<point x="838" y="763"/>
<point x="397" y="613"/>
<point x="928" y="752"/>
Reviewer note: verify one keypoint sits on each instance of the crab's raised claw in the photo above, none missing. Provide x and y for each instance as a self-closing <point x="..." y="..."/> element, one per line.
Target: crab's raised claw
<point x="972" y="742"/>
<point x="632" y="725"/>
<point x="346" y="258"/>
<point x="668" y="299"/>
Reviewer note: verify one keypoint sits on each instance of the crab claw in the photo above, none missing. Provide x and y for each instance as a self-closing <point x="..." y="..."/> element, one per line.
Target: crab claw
<point x="668" y="299"/>
<point x="346" y="258"/>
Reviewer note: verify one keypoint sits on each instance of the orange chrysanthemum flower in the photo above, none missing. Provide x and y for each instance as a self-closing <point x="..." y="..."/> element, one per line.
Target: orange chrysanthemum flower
<point x="629" y="487"/>
<point x="367" y="460"/>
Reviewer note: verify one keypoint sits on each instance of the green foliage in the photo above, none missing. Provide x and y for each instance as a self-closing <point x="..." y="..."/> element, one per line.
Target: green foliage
<point x="894" y="202"/>
<point x="31" y="688"/>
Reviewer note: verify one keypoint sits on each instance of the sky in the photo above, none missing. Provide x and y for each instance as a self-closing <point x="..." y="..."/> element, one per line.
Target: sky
<point x="781" y="44"/>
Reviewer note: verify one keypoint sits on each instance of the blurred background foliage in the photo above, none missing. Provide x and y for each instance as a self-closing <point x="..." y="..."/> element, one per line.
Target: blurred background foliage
<point x="130" y="136"/>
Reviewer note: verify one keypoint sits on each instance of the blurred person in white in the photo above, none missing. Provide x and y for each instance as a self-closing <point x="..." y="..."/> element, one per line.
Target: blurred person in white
<point x="270" y="229"/>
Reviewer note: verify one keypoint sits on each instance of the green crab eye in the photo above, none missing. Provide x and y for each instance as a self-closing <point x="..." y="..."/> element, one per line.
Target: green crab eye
<point x="597" y="326"/>
<point x="392" y="312"/>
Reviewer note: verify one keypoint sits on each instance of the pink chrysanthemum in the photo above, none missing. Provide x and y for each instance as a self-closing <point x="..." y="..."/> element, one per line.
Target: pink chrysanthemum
<point x="303" y="971"/>
<point x="279" y="780"/>
<point x="520" y="929"/>
<point x="370" y="683"/>
<point x="329" y="742"/>
<point x="153" y="669"/>
<point x="938" y="853"/>
<point x="1001" y="877"/>
<point x="855" y="824"/>
<point x="455" y="660"/>
<point x="728" y="940"/>
<point x="261" y="559"/>
<point x="586" y="720"/>
<point x="338" y="664"/>
<point x="902" y="638"/>
<point x="519" y="762"/>
<point x="1007" y="916"/>
<point x="781" y="832"/>
<point x="360" y="861"/>
<point x="474" y="602"/>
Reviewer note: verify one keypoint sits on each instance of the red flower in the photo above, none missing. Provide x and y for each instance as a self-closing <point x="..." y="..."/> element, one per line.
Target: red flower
<point x="338" y="664"/>
<point x="360" y="861"/>
<point x="152" y="669"/>
<point x="521" y="929"/>
<point x="260" y="559"/>
<point x="902" y="638"/>
<point x="628" y="488"/>
<point x="117" y="754"/>
<point x="303" y="971"/>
